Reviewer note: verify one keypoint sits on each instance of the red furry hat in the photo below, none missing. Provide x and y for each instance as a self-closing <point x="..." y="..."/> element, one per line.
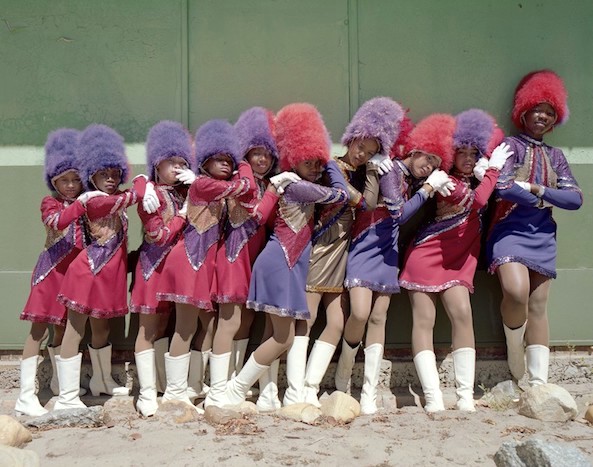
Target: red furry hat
<point x="537" y="87"/>
<point x="399" y="147"/>
<point x="434" y="135"/>
<point x="301" y="135"/>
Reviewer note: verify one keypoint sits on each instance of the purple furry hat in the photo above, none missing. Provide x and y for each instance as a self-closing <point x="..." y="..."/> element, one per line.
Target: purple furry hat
<point x="254" y="129"/>
<point x="60" y="154"/>
<point x="474" y="128"/>
<point x="377" y="118"/>
<point x="167" y="139"/>
<point x="216" y="137"/>
<point x="101" y="147"/>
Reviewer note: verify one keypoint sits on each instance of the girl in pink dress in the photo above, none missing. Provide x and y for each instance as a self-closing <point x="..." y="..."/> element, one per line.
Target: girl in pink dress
<point x="168" y="149"/>
<point x="188" y="275"/>
<point x="244" y="237"/>
<point x="442" y="259"/>
<point x="60" y="214"/>
<point x="95" y="286"/>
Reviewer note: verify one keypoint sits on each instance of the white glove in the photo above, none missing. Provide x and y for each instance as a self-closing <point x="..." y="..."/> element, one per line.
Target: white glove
<point x="500" y="155"/>
<point x="183" y="211"/>
<point x="480" y="168"/>
<point x="282" y="180"/>
<point x="525" y="185"/>
<point x="384" y="164"/>
<point x="150" y="202"/>
<point x="185" y="176"/>
<point x="441" y="182"/>
<point x="140" y="176"/>
<point x="89" y="195"/>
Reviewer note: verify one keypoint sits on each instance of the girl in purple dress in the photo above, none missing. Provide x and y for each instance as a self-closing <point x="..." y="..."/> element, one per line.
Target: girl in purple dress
<point x="280" y="271"/>
<point x="372" y="268"/>
<point x="521" y="247"/>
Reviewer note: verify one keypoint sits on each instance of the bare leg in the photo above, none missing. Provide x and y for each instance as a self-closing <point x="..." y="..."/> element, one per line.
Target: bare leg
<point x="247" y="317"/>
<point x="303" y="327"/>
<point x="458" y="306"/>
<point x="186" y="324"/>
<point x="336" y="310"/>
<point x="424" y="315"/>
<point x="361" y="300"/>
<point x="75" y="329"/>
<point x="377" y="319"/>
<point x="514" y="281"/>
<point x="537" y="325"/>
<point x="281" y="340"/>
<point x="100" y="332"/>
<point x="229" y="322"/>
<point x="58" y="335"/>
<point x="150" y="328"/>
<point x="204" y="337"/>
<point x="37" y="335"/>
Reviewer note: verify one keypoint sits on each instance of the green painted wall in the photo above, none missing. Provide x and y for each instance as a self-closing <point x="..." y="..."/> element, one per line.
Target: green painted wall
<point x="130" y="64"/>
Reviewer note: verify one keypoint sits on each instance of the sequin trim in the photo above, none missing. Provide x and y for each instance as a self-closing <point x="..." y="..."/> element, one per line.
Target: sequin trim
<point x="94" y="313"/>
<point x="229" y="299"/>
<point x="381" y="288"/>
<point x="146" y="310"/>
<point x="43" y="319"/>
<point x="516" y="259"/>
<point x="171" y="297"/>
<point x="322" y="289"/>
<point x="284" y="312"/>
<point x="435" y="288"/>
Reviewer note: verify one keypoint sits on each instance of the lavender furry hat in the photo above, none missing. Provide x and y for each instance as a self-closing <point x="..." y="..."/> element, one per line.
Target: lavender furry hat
<point x="60" y="154"/>
<point x="254" y="129"/>
<point x="101" y="147"/>
<point x="474" y="128"/>
<point x="379" y="118"/>
<point x="167" y="139"/>
<point x="216" y="137"/>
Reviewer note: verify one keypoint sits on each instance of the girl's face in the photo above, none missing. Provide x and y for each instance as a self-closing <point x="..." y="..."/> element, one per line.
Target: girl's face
<point x="219" y="166"/>
<point x="423" y="164"/>
<point x="360" y="151"/>
<point x="107" y="180"/>
<point x="465" y="159"/>
<point x="68" y="184"/>
<point x="538" y="120"/>
<point x="309" y="170"/>
<point x="167" y="169"/>
<point x="260" y="160"/>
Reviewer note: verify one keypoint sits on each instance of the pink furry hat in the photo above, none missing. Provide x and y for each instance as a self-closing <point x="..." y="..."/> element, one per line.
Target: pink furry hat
<point x="537" y="87"/>
<point x="301" y="135"/>
<point x="434" y="135"/>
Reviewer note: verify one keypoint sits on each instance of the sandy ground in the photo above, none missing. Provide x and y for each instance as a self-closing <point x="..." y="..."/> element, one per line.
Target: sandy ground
<point x="406" y="436"/>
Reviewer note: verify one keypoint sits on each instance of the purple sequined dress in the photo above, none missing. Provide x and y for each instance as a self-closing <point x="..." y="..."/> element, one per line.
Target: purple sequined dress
<point x="523" y="230"/>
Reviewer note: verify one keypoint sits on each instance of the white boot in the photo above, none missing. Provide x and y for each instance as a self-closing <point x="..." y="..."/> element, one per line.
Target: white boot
<point x="426" y="367"/>
<point x="177" y="369"/>
<point x="69" y="380"/>
<point x="373" y="356"/>
<point x="219" y="372"/>
<point x="538" y="360"/>
<point x="28" y="403"/>
<point x="343" y="378"/>
<point x="296" y="364"/>
<point x="319" y="360"/>
<point x="146" y="368"/>
<point x="268" y="400"/>
<point x="102" y="382"/>
<point x="161" y="347"/>
<point x="237" y="360"/>
<point x="464" y="365"/>
<point x="54" y="384"/>
<point x="516" y="350"/>
<point x="197" y="370"/>
<point x="236" y="389"/>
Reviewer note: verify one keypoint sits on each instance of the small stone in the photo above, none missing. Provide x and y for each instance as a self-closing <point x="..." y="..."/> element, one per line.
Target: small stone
<point x="178" y="412"/>
<point x="301" y="412"/>
<point x="220" y="416"/>
<point x="507" y="456"/>
<point x="244" y="408"/>
<point x="535" y="451"/>
<point x="87" y="417"/>
<point x="386" y="400"/>
<point x="13" y="433"/>
<point x="341" y="407"/>
<point x="589" y="414"/>
<point x="549" y="403"/>
<point x="119" y="410"/>
<point x="15" y="457"/>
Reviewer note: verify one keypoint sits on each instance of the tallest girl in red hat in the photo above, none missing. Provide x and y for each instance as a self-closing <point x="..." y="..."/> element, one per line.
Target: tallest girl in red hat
<point x="521" y="246"/>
